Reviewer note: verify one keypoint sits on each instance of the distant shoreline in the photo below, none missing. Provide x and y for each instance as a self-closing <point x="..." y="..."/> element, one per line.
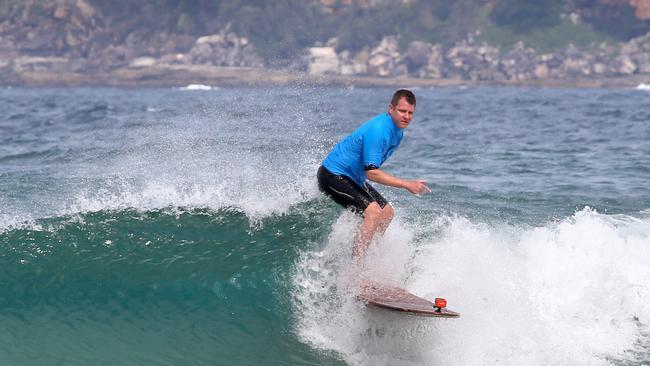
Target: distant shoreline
<point x="180" y="76"/>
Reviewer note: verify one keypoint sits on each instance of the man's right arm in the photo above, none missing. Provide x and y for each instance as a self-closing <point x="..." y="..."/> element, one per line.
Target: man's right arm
<point x="416" y="186"/>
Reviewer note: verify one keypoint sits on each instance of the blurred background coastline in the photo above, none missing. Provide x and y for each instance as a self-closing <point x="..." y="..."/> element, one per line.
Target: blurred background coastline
<point x="582" y="43"/>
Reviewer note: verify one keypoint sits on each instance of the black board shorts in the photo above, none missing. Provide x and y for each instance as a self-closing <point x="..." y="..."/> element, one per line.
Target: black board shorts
<point x="347" y="193"/>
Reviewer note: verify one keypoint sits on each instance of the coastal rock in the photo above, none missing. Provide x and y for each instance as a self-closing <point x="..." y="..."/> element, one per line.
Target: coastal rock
<point x="224" y="49"/>
<point x="485" y="63"/>
<point x="642" y="8"/>
<point x="142" y="62"/>
<point x="72" y="35"/>
<point x="417" y="54"/>
<point x="638" y="51"/>
<point x="435" y="64"/>
<point x="542" y="71"/>
<point x="87" y="10"/>
<point x="424" y="60"/>
<point x="600" y="68"/>
<point x="643" y="62"/>
<point x="353" y="65"/>
<point x="385" y="60"/>
<point x="43" y="41"/>
<point x="575" y="67"/>
<point x="177" y="43"/>
<point x="380" y="65"/>
<point x="467" y="60"/>
<point x="40" y="64"/>
<point x="519" y="63"/>
<point x="7" y="44"/>
<point x="175" y="59"/>
<point x="113" y="56"/>
<point x="624" y="65"/>
<point x="61" y="11"/>
<point x="215" y="39"/>
<point x="201" y="53"/>
<point x="5" y="63"/>
<point x="322" y="61"/>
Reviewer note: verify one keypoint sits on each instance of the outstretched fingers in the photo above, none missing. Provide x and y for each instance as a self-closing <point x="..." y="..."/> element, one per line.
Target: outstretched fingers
<point x="418" y="186"/>
<point x="423" y="186"/>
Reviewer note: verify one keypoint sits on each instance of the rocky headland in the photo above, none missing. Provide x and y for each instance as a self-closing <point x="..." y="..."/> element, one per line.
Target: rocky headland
<point x="71" y="44"/>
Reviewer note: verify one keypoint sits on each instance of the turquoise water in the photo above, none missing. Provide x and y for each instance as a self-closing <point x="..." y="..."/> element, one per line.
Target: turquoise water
<point x="175" y="227"/>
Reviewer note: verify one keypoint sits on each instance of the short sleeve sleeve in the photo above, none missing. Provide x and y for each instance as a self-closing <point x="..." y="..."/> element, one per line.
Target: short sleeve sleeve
<point x="372" y="147"/>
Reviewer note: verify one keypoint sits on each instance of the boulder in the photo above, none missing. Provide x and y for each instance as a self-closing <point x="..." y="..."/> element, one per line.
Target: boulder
<point x="141" y="62"/>
<point x="600" y="68"/>
<point x="385" y="59"/>
<point x="86" y="9"/>
<point x="61" y="11"/>
<point x="468" y="60"/>
<point x="5" y="63"/>
<point x="637" y="51"/>
<point x="642" y="8"/>
<point x="201" y="53"/>
<point x="250" y="58"/>
<point x="73" y="39"/>
<point x="114" y="56"/>
<point x="417" y="54"/>
<point x="353" y="65"/>
<point x="642" y="61"/>
<point x="576" y="64"/>
<point x="40" y="64"/>
<point x="435" y="64"/>
<point x="322" y="60"/>
<point x="211" y="39"/>
<point x="43" y="42"/>
<point x="174" y="59"/>
<point x="224" y="49"/>
<point x="624" y="65"/>
<point x="542" y="71"/>
<point x="180" y="43"/>
<point x="519" y="63"/>
<point x="380" y="64"/>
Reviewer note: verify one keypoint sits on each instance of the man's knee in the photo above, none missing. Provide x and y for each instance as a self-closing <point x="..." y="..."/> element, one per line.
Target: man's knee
<point x="387" y="213"/>
<point x="373" y="211"/>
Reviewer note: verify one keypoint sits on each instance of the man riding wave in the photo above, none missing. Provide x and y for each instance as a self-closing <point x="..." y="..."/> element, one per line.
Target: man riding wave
<point x="345" y="172"/>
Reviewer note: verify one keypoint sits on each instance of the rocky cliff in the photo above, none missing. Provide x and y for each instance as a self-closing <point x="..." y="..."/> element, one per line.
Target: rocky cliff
<point x="470" y="60"/>
<point x="73" y="42"/>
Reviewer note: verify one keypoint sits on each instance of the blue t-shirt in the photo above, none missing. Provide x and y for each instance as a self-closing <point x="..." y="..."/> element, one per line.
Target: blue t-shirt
<point x="370" y="144"/>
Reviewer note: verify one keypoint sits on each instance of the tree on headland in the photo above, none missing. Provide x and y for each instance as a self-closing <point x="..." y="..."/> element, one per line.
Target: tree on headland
<point x="621" y="19"/>
<point x="526" y="16"/>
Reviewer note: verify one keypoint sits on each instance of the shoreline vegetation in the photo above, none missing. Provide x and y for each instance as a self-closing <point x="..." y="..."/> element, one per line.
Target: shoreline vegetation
<point x="556" y="43"/>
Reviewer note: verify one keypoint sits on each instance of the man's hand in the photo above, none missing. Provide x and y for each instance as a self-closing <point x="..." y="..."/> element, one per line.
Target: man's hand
<point x="417" y="186"/>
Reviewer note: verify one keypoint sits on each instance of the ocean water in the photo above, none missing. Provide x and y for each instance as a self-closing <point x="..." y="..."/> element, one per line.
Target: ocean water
<point x="184" y="227"/>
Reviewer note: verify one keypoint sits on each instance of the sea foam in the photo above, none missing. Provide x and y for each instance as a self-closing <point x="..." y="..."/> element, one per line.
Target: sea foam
<point x="572" y="292"/>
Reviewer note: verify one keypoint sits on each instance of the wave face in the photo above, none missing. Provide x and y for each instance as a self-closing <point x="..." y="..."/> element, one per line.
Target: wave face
<point x="150" y="287"/>
<point x="150" y="227"/>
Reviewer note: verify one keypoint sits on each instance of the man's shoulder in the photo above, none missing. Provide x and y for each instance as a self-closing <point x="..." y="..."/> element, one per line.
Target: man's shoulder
<point x="384" y="117"/>
<point x="378" y="122"/>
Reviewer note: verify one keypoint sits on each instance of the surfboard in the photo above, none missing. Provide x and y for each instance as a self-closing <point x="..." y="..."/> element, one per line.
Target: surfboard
<point x="397" y="299"/>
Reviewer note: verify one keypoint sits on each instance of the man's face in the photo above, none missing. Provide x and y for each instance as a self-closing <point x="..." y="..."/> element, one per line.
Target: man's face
<point x="402" y="113"/>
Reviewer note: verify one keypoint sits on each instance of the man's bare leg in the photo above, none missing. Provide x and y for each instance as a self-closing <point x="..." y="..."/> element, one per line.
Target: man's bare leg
<point x="375" y="220"/>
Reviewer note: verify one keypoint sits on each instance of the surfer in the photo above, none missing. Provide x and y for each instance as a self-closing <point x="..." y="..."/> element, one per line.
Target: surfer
<point x="344" y="173"/>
